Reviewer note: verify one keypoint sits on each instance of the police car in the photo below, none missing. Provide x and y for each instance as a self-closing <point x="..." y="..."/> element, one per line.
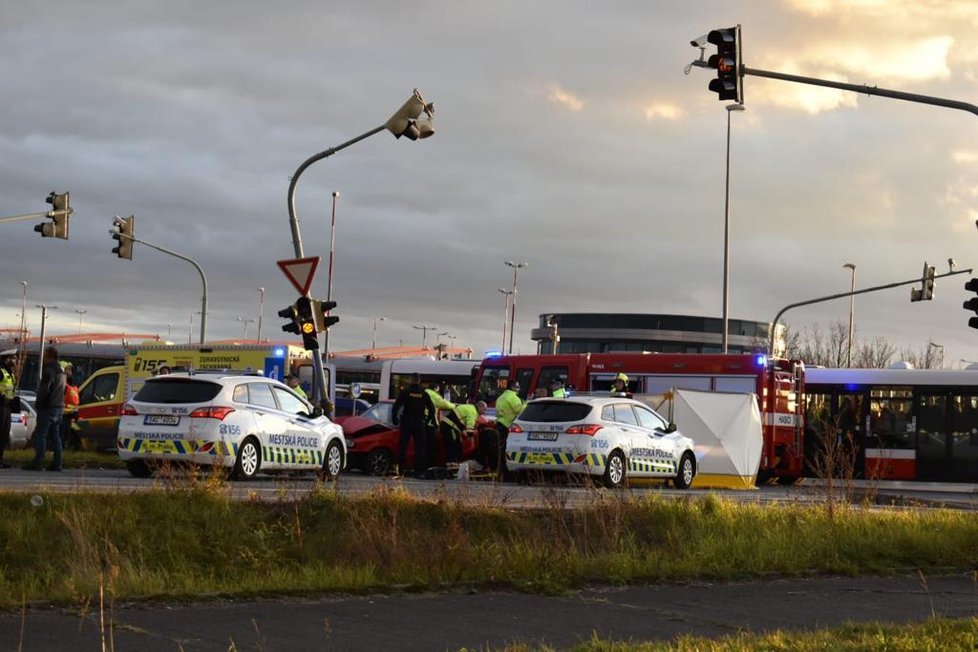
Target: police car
<point x="609" y="437"/>
<point x="247" y="423"/>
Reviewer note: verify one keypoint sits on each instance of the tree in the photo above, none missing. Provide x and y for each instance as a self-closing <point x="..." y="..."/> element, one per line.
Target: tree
<point x="831" y="348"/>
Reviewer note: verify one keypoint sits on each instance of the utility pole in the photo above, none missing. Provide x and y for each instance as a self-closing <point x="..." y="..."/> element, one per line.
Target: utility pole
<point x="512" y="315"/>
<point x="40" y="359"/>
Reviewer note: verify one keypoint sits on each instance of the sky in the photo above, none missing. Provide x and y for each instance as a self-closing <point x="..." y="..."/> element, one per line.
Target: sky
<point x="567" y="136"/>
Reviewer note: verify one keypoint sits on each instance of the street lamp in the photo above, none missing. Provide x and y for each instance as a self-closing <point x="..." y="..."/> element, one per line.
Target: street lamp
<point x="512" y="315"/>
<point x="424" y="333"/>
<point x="261" y="310"/>
<point x="245" y="322"/>
<point x="508" y="293"/>
<point x="725" y="339"/>
<point x="329" y="273"/>
<point x="23" y="317"/>
<point x="44" y="318"/>
<point x="852" y="306"/>
<point x="81" y="313"/>
<point x="373" y="343"/>
<point x="406" y="121"/>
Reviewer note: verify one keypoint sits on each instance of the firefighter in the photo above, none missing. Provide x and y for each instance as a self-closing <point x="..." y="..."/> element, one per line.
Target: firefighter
<point x="457" y="423"/>
<point x="7" y="384"/>
<point x="619" y="385"/>
<point x="508" y="407"/>
<point x="411" y="411"/>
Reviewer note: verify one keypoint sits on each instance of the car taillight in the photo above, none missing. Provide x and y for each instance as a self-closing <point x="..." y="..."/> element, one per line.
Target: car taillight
<point x="515" y="428"/>
<point x="589" y="429"/>
<point x="214" y="412"/>
<point x="129" y="411"/>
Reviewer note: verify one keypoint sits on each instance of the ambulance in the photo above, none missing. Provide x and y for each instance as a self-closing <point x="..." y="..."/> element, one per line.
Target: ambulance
<point x="103" y="395"/>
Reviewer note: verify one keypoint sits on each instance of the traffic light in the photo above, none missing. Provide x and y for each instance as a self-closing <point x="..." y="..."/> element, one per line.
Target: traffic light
<point x="306" y="313"/>
<point x="59" y="213"/>
<point x="926" y="290"/>
<point x="292" y="314"/>
<point x="972" y="303"/>
<point x="325" y="319"/>
<point x="124" y="233"/>
<point x="405" y="121"/>
<point x="727" y="62"/>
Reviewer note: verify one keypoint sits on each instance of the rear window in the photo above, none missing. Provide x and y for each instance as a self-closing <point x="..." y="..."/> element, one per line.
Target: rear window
<point x="177" y="391"/>
<point x="554" y="411"/>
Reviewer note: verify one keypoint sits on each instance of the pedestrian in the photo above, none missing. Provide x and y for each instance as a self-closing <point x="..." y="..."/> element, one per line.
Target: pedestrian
<point x="457" y="423"/>
<point x="293" y="381"/>
<point x="410" y="412"/>
<point x="50" y="404"/>
<point x="441" y="405"/>
<point x="508" y="407"/>
<point x="69" y="432"/>
<point x="8" y="382"/>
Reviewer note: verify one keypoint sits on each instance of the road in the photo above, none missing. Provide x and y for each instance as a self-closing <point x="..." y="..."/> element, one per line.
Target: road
<point x="478" y="492"/>
<point x="489" y="620"/>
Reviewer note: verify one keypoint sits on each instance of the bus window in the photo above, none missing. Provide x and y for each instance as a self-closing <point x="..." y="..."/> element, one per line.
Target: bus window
<point x="738" y="384"/>
<point x="964" y="435"/>
<point x="488" y="389"/>
<point x="663" y="384"/>
<point x="890" y="424"/>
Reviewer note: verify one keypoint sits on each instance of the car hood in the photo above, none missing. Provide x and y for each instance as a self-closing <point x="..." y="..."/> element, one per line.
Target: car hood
<point x="359" y="427"/>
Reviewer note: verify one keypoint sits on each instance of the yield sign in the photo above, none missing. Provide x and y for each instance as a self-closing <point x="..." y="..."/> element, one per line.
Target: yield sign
<point x="300" y="272"/>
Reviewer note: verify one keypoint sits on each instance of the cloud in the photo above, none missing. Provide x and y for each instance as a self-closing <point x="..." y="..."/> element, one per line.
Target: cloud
<point x="558" y="95"/>
<point x="663" y="111"/>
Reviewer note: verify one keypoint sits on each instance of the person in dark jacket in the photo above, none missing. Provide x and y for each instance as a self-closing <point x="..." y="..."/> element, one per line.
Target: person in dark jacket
<point x="411" y="411"/>
<point x="50" y="404"/>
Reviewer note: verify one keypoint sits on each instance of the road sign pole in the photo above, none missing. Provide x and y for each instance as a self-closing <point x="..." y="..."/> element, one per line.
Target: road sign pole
<point x="300" y="271"/>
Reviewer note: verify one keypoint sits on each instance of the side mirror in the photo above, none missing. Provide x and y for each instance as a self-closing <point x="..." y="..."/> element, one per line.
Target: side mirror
<point x="317" y="412"/>
<point x="671" y="428"/>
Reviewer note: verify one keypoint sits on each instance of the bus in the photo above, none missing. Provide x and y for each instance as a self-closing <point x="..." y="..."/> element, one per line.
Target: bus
<point x="85" y="358"/>
<point x="778" y="384"/>
<point x="455" y="376"/>
<point x="904" y="424"/>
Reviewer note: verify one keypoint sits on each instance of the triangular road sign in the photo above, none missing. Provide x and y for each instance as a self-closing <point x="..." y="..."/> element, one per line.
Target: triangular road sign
<point x="300" y="272"/>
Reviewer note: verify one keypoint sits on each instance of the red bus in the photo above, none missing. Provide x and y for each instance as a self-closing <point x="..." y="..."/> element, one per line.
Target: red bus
<point x="778" y="384"/>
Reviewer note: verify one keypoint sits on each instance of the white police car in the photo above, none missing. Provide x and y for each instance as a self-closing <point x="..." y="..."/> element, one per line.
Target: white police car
<point x="614" y="438"/>
<point x="248" y="423"/>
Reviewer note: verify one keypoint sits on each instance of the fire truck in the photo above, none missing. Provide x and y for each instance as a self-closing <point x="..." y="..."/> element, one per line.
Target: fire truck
<point x="778" y="384"/>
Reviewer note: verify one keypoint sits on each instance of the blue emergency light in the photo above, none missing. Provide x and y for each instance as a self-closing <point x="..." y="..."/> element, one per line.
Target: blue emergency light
<point x="279" y="352"/>
<point x="760" y="359"/>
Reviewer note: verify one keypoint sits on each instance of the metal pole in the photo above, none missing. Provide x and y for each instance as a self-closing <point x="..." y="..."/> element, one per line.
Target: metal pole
<point x="512" y="315"/>
<point x="203" y="279"/>
<point x="832" y="297"/>
<point x="852" y="308"/>
<point x="28" y="216"/>
<point x="507" y="293"/>
<point x="261" y="310"/>
<point x="725" y="337"/>
<point x="329" y="274"/>
<point x="373" y="343"/>
<point x="40" y="353"/>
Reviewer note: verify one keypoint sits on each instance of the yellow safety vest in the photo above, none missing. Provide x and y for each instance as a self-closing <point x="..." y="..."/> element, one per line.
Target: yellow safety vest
<point x="6" y="384"/>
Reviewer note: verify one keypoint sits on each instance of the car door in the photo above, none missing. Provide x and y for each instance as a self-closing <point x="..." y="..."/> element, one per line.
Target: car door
<point x="305" y="441"/>
<point x="634" y="435"/>
<point x="99" y="405"/>
<point x="272" y="426"/>
<point x="662" y="448"/>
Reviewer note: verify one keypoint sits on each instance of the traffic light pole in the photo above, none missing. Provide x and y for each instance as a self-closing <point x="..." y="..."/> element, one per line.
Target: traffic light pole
<point x="843" y="295"/>
<point x="29" y="216"/>
<point x="317" y="359"/>
<point x="863" y="88"/>
<point x="203" y="279"/>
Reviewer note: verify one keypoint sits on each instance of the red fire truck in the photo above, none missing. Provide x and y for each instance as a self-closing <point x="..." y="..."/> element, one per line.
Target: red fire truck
<point x="779" y="385"/>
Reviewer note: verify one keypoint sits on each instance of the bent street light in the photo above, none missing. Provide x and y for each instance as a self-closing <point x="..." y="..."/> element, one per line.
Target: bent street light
<point x="406" y="121"/>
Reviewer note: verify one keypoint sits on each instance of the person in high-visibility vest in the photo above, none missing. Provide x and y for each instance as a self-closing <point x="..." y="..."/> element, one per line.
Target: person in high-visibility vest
<point x="458" y="423"/>
<point x="441" y="405"/>
<point x="8" y="383"/>
<point x="69" y="430"/>
<point x="557" y="389"/>
<point x="293" y="382"/>
<point x="620" y="384"/>
<point x="508" y="407"/>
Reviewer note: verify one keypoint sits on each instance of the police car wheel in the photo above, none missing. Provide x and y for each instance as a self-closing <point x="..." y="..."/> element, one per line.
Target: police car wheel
<point x="332" y="461"/>
<point x="615" y="470"/>
<point x="379" y="461"/>
<point x="686" y="472"/>
<point x="139" y="469"/>
<point x="249" y="460"/>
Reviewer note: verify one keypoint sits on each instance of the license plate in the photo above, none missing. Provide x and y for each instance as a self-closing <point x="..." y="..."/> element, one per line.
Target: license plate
<point x="543" y="436"/>
<point x="161" y="420"/>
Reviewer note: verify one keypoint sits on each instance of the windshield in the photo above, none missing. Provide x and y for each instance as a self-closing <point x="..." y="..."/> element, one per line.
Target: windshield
<point x="380" y="412"/>
<point x="488" y="390"/>
<point x="554" y="411"/>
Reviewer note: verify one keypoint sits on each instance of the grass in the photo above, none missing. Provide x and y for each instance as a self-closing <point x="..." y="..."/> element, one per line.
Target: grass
<point x="934" y="634"/>
<point x="181" y="543"/>
<point x="69" y="459"/>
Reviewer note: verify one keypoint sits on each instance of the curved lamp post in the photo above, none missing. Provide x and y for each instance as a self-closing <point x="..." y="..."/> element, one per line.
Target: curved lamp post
<point x="406" y="121"/>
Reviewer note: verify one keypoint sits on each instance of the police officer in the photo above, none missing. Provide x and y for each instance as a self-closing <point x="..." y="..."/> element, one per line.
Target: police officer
<point x="7" y="386"/>
<point x="442" y="405"/>
<point x="557" y="389"/>
<point x="293" y="381"/>
<point x="411" y="411"/>
<point x="455" y="423"/>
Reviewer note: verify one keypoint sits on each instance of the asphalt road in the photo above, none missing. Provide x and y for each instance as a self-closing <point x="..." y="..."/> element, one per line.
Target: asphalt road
<point x="490" y="620"/>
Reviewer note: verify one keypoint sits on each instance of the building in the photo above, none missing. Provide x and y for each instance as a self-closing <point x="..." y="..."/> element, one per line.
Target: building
<point x="583" y="332"/>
